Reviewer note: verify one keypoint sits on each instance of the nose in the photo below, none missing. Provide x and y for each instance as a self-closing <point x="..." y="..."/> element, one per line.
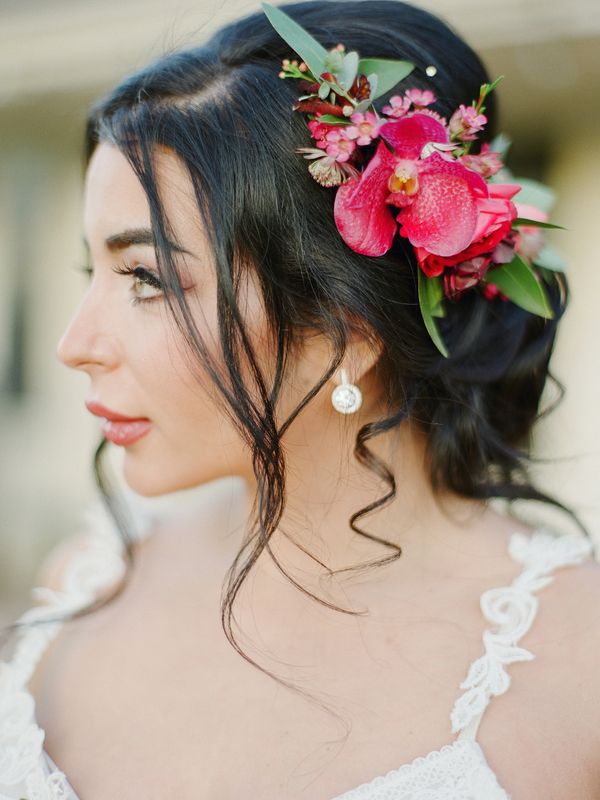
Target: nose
<point x="87" y="341"/>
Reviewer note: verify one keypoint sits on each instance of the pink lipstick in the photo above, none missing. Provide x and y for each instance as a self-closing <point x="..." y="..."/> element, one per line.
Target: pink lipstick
<point x="118" y="428"/>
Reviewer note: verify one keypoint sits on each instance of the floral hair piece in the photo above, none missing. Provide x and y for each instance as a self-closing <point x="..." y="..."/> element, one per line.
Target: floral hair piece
<point x="411" y="173"/>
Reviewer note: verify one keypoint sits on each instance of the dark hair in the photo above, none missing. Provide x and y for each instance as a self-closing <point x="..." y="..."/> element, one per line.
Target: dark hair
<point x="225" y="113"/>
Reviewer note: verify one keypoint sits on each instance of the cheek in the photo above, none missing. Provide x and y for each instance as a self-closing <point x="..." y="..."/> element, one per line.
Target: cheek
<point x="192" y="441"/>
<point x="177" y="387"/>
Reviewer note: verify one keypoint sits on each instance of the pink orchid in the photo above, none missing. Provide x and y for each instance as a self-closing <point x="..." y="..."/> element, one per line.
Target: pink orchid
<point x="365" y="129"/>
<point x="439" y="196"/>
<point x="495" y="214"/>
<point x="339" y="145"/>
<point x="466" y="122"/>
<point x="420" y="98"/>
<point x="397" y="107"/>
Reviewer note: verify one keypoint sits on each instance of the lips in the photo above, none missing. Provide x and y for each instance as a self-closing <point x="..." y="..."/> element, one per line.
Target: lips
<point x="119" y="428"/>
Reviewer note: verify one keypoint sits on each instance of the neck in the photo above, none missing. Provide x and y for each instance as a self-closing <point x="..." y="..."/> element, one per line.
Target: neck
<point x="326" y="485"/>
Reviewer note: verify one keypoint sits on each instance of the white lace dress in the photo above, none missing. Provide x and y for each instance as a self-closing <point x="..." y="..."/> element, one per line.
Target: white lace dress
<point x="457" y="771"/>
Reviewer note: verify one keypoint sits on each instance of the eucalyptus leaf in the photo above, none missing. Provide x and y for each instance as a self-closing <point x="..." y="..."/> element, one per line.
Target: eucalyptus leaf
<point x="389" y="72"/>
<point x="362" y="106"/>
<point x="334" y="61"/>
<point x="324" y="90"/>
<point x="373" y="81"/>
<point x="535" y="194"/>
<point x="535" y="223"/>
<point x="338" y="89"/>
<point x="349" y="68"/>
<point x="550" y="258"/>
<point x="500" y="144"/>
<point x="429" y="290"/>
<point x="518" y="282"/>
<point x="308" y="48"/>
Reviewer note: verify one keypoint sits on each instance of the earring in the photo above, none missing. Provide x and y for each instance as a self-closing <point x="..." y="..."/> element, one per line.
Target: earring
<point x="346" y="398"/>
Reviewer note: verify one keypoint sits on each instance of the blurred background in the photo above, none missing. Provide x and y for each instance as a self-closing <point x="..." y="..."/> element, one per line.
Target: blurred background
<point x="57" y="56"/>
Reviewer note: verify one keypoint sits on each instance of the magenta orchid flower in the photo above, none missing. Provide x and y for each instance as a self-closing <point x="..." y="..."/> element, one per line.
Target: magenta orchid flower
<point x="438" y="195"/>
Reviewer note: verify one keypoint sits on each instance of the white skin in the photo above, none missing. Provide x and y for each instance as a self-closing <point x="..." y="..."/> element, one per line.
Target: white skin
<point x="137" y="366"/>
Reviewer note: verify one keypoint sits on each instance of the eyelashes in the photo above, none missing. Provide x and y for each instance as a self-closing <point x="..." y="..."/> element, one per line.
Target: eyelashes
<point x="141" y="276"/>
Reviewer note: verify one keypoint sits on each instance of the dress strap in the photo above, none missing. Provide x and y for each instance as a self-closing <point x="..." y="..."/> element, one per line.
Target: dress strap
<point x="512" y="608"/>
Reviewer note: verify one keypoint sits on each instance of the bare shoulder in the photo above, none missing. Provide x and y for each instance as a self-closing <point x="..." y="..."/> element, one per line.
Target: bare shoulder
<point x="51" y="572"/>
<point x="566" y="641"/>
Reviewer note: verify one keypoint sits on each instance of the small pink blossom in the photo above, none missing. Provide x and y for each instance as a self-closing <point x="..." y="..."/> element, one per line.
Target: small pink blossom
<point x="487" y="162"/>
<point x="365" y="129"/>
<point x="398" y="107"/>
<point x="420" y="98"/>
<point x="319" y="130"/>
<point x="466" y="122"/>
<point x="530" y="238"/>
<point x="325" y="169"/>
<point x="504" y="252"/>
<point x="339" y="145"/>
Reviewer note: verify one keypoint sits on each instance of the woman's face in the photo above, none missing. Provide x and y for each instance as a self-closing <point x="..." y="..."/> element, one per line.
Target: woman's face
<point x="123" y="335"/>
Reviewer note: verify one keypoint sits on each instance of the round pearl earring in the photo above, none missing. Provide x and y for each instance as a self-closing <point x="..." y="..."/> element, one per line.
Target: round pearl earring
<point x="346" y="398"/>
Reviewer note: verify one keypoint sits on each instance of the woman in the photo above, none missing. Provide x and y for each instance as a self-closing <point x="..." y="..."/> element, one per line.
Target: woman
<point x="272" y="643"/>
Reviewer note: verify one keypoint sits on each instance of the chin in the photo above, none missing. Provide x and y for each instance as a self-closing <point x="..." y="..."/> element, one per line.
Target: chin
<point x="141" y="476"/>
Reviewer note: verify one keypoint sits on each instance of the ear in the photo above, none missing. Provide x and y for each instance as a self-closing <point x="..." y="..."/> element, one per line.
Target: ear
<point x="362" y="354"/>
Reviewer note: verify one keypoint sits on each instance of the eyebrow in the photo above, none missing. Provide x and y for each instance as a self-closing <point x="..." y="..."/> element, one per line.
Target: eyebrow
<point x="132" y="236"/>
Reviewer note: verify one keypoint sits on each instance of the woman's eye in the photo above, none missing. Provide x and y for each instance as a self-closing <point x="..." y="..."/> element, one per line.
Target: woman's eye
<point x="145" y="285"/>
<point x="144" y="289"/>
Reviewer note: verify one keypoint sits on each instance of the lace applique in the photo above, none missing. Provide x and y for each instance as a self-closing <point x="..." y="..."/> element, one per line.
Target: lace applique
<point x="23" y="770"/>
<point x="513" y="609"/>
<point x="457" y="771"/>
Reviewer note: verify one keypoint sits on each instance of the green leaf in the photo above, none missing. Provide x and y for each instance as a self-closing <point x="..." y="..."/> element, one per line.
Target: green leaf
<point x="330" y="119"/>
<point x="550" y="258"/>
<point x="500" y="144"/>
<point x="349" y="69"/>
<point x="389" y="71"/>
<point x="489" y="87"/>
<point x="430" y="291"/>
<point x="362" y="106"/>
<point x="309" y="49"/>
<point x="519" y="283"/>
<point x="535" y="194"/>
<point x="535" y="223"/>
<point x="373" y="83"/>
<point x="324" y="90"/>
